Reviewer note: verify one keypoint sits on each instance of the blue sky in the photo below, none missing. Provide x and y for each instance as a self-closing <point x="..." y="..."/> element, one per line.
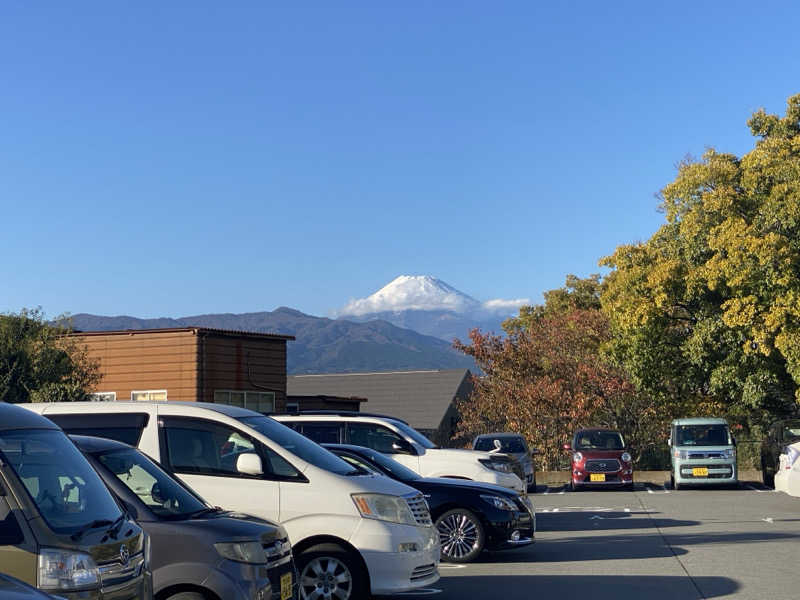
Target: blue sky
<point x="177" y="158"/>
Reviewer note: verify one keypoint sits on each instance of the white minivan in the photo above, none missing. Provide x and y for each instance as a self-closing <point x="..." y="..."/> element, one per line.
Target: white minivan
<point x="352" y="534"/>
<point x="406" y="445"/>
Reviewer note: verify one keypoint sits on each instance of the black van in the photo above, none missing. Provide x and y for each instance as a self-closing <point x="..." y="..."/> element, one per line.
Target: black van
<point x="61" y="530"/>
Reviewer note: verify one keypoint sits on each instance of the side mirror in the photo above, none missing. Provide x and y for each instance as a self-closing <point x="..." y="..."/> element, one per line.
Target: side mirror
<point x="669" y="441"/>
<point x="249" y="463"/>
<point x="566" y="447"/>
<point x="402" y="447"/>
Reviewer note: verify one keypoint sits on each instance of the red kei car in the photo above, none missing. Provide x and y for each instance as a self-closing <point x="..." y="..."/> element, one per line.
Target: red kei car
<point x="599" y="458"/>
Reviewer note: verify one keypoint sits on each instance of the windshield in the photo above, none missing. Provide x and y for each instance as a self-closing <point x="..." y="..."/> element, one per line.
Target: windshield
<point x="65" y="488"/>
<point x="513" y="445"/>
<point x="299" y="445"/>
<point x="415" y="435"/>
<point x="599" y="440"/>
<point x="791" y="431"/>
<point x="382" y="463"/>
<point x="161" y="493"/>
<point x="703" y="435"/>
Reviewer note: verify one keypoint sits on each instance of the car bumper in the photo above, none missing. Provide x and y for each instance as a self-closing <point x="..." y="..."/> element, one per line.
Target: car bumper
<point x="510" y="530"/>
<point x="616" y="478"/>
<point x="392" y="571"/>
<point x="718" y="473"/>
<point x="239" y="581"/>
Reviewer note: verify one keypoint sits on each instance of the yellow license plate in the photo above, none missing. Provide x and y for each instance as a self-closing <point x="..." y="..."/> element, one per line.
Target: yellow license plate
<point x="597" y="477"/>
<point x="700" y="472"/>
<point x="286" y="586"/>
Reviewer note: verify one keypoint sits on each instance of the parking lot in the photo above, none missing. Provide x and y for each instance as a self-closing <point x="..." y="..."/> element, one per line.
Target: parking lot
<point x="653" y="543"/>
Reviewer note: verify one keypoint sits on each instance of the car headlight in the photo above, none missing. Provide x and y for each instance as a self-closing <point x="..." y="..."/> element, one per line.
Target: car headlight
<point x="64" y="570"/>
<point x="499" y="502"/>
<point x="243" y="552"/>
<point x="384" y="507"/>
<point x="494" y="465"/>
<point x="683" y="454"/>
<point x="577" y="457"/>
<point x="626" y="457"/>
<point x="729" y="453"/>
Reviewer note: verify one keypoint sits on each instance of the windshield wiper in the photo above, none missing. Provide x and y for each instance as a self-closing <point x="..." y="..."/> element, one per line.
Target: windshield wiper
<point x="89" y="526"/>
<point x="204" y="511"/>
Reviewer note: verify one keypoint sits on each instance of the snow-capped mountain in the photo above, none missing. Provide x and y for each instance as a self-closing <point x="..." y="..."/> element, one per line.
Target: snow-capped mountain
<point x="430" y="306"/>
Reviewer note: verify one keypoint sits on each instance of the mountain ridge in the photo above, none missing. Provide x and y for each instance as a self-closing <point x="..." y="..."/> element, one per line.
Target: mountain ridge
<point x="321" y="345"/>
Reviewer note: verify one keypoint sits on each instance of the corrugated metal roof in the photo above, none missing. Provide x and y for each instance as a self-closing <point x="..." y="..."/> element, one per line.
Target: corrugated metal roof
<point x="419" y="397"/>
<point x="230" y="332"/>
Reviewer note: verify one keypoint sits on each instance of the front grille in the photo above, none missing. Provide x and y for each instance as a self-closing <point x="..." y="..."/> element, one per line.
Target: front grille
<point x="608" y="465"/>
<point x="116" y="573"/>
<point x="704" y="455"/>
<point x="423" y="572"/>
<point x="419" y="508"/>
<point x="278" y="552"/>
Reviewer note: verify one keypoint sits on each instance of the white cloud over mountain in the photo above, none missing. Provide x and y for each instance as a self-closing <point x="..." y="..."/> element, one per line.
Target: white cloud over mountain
<point x="423" y="292"/>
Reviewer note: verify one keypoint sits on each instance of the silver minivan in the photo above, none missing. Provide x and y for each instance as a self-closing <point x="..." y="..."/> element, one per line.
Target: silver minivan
<point x="703" y="452"/>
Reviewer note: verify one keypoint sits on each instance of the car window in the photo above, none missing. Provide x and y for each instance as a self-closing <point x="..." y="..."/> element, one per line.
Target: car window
<point x="513" y="445"/>
<point x="65" y="488"/>
<point x="10" y="531"/>
<point x="375" y="436"/>
<point x="791" y="431"/>
<point x="322" y="433"/>
<point x="164" y="495"/>
<point x="122" y="427"/>
<point x="205" y="447"/>
<point x="703" y="435"/>
<point x="358" y="463"/>
<point x="598" y="440"/>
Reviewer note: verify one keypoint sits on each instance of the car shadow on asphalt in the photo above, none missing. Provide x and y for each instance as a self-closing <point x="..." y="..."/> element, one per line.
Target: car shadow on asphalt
<point x="623" y="547"/>
<point x="588" y="520"/>
<point x="596" y="587"/>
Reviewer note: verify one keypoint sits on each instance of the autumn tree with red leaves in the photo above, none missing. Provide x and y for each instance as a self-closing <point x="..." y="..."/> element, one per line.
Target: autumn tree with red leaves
<point x="547" y="377"/>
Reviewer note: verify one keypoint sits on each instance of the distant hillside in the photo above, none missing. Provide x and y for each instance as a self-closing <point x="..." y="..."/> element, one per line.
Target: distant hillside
<point x="322" y="345"/>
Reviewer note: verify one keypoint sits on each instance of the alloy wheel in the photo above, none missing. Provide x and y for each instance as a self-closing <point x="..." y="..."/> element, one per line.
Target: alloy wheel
<point x="326" y="578"/>
<point x="458" y="534"/>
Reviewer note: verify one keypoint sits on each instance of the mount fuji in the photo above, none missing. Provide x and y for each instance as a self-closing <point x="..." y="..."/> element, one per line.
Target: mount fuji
<point x="430" y="306"/>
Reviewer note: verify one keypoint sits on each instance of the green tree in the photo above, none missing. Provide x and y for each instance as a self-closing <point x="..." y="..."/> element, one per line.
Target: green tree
<point x="706" y="313"/>
<point x="40" y="363"/>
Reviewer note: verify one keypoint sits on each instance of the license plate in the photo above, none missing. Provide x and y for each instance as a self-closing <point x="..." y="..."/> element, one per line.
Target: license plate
<point x="286" y="586"/>
<point x="597" y="477"/>
<point x="700" y="472"/>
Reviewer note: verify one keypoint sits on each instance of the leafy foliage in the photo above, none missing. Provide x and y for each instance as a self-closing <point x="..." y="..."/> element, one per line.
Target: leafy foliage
<point x="38" y="363"/>
<point x="547" y="377"/>
<point x="706" y="313"/>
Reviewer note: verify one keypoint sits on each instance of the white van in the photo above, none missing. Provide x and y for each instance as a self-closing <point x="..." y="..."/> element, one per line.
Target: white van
<point x="351" y="534"/>
<point x="406" y="445"/>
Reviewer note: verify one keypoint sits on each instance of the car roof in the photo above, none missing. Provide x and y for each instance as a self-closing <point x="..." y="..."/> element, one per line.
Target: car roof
<point x="701" y="421"/>
<point x="593" y="429"/>
<point x="16" y="417"/>
<point x="91" y="444"/>
<point x="352" y="447"/>
<point x="503" y="434"/>
<point x="234" y="412"/>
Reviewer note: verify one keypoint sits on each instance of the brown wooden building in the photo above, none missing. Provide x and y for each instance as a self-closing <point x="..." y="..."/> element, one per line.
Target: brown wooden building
<point x="191" y="364"/>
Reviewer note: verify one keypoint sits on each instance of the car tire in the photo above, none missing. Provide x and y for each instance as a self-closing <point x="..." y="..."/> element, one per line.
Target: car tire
<point x="336" y="572"/>
<point x="461" y="535"/>
<point x="674" y="484"/>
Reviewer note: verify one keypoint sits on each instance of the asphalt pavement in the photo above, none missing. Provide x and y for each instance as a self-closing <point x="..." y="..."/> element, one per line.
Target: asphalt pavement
<point x="653" y="543"/>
